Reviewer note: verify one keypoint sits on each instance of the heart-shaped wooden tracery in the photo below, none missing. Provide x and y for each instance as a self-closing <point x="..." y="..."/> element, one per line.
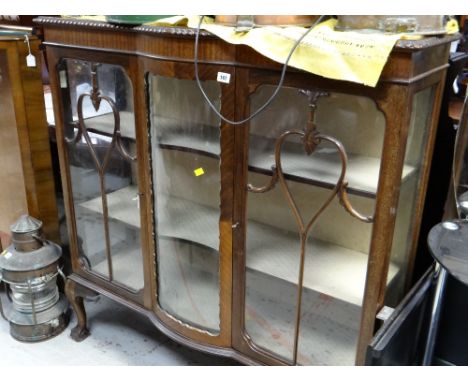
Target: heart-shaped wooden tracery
<point x="311" y="138"/>
<point x="116" y="143"/>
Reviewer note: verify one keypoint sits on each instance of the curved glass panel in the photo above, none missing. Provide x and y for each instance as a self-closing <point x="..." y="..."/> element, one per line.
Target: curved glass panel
<point x="419" y="127"/>
<point x="103" y="169"/>
<point x="185" y="154"/>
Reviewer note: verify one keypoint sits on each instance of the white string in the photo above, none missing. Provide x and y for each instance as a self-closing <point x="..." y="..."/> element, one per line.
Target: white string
<point x="27" y="42"/>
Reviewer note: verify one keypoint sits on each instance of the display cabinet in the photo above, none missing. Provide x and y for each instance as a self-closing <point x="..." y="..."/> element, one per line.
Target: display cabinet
<point x="277" y="241"/>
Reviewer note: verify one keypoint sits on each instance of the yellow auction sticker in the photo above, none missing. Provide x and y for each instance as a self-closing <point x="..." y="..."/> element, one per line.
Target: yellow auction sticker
<point x="198" y="171"/>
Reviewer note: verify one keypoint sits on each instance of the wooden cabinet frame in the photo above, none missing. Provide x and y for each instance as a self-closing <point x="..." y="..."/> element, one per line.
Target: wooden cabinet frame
<point x="393" y="98"/>
<point x="412" y="67"/>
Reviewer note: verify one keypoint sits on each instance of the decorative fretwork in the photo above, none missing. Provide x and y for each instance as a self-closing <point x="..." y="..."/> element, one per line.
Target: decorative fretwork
<point x="116" y="143"/>
<point x="311" y="138"/>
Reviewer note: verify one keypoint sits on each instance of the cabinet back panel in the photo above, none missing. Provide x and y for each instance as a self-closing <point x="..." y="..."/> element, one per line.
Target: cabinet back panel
<point x="354" y="120"/>
<point x="335" y="225"/>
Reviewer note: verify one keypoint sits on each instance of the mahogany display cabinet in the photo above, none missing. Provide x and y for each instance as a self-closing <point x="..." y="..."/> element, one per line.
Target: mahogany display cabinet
<point x="277" y="241"/>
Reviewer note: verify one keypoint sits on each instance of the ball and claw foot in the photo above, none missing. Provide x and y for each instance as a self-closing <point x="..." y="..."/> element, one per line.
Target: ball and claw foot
<point x="79" y="334"/>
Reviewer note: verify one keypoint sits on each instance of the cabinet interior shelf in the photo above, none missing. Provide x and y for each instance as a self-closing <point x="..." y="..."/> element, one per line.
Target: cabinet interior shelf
<point x="121" y="260"/>
<point x="330" y="269"/>
<point x="104" y="124"/>
<point x="321" y="170"/>
<point x="195" y="137"/>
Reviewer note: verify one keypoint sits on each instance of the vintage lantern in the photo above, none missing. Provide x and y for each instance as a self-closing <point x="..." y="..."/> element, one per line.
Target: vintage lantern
<point x="29" y="268"/>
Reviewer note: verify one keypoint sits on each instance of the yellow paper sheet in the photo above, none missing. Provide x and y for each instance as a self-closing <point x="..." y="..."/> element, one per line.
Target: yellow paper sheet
<point x="349" y="56"/>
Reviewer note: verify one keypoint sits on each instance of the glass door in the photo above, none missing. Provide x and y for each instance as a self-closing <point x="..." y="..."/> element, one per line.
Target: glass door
<point x="313" y="170"/>
<point x="191" y="201"/>
<point x="102" y="161"/>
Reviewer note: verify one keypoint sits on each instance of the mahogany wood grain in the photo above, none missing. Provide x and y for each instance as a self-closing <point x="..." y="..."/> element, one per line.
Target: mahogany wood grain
<point x="33" y="137"/>
<point x="12" y="177"/>
<point x="413" y="66"/>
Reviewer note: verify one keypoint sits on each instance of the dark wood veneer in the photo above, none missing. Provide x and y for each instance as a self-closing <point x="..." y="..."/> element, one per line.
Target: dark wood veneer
<point x="413" y="66"/>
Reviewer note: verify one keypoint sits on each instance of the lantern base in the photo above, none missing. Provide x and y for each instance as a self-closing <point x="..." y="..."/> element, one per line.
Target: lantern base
<point x="27" y="331"/>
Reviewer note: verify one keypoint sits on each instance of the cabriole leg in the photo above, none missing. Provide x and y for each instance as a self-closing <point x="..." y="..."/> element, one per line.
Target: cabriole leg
<point x="75" y="294"/>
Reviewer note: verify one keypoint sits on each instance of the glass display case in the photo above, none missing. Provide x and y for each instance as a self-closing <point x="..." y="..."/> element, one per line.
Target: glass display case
<point x="276" y="241"/>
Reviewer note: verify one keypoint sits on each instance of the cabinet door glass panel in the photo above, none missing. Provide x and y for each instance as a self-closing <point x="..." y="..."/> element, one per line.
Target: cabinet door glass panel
<point x="185" y="152"/>
<point x="103" y="169"/>
<point x="337" y="246"/>
<point x="421" y="117"/>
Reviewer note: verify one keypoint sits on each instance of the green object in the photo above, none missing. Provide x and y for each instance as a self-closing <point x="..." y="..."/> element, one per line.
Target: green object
<point x="6" y="32"/>
<point x="134" y="19"/>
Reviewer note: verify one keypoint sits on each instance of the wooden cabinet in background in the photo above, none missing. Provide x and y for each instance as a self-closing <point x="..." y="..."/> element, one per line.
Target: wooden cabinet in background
<point x="277" y="241"/>
<point x="26" y="177"/>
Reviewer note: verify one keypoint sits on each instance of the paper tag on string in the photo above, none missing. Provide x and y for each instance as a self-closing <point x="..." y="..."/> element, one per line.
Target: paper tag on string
<point x="31" y="61"/>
